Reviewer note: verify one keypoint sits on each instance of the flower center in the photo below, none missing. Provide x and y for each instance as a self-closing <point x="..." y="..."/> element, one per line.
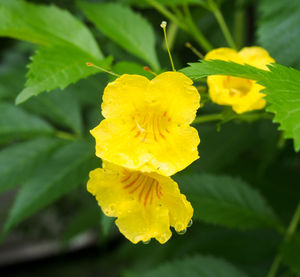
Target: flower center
<point x="150" y="125"/>
<point x="237" y="86"/>
<point x="142" y="186"/>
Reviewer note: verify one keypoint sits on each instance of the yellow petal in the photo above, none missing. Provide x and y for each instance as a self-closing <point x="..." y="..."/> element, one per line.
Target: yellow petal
<point x="224" y="54"/>
<point x="172" y="154"/>
<point x="145" y="204"/>
<point x="147" y="124"/>
<point x="256" y="56"/>
<point x="242" y="94"/>
<point x="123" y="95"/>
<point x="173" y="91"/>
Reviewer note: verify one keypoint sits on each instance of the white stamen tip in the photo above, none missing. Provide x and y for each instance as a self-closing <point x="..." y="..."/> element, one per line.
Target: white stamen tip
<point x="163" y="24"/>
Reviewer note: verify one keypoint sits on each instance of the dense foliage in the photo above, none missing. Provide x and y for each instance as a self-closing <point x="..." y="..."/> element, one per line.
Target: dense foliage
<point x="245" y="187"/>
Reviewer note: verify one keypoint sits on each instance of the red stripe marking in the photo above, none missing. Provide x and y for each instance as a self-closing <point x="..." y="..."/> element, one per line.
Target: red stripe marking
<point x="141" y="192"/>
<point x="126" y="179"/>
<point x="132" y="182"/>
<point x="147" y="193"/>
<point x="153" y="127"/>
<point x="132" y="191"/>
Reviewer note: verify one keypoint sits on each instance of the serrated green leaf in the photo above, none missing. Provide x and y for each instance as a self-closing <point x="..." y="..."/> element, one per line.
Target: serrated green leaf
<point x="67" y="168"/>
<point x="58" y="66"/>
<point x="282" y="87"/>
<point x="18" y="161"/>
<point x="45" y="25"/>
<point x="290" y="253"/>
<point x="16" y="124"/>
<point x="227" y="201"/>
<point x="278" y="30"/>
<point x="60" y="107"/>
<point x="125" y="27"/>
<point x="200" y="266"/>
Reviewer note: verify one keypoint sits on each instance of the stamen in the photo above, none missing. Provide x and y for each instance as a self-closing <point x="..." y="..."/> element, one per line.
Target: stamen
<point x="194" y="50"/>
<point x="102" y="69"/>
<point x="146" y="68"/>
<point x="164" y="26"/>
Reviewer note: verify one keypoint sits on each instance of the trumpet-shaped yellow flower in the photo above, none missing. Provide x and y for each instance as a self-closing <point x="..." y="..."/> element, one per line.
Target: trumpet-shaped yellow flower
<point x="145" y="204"/>
<point x="146" y="125"/>
<point x="242" y="94"/>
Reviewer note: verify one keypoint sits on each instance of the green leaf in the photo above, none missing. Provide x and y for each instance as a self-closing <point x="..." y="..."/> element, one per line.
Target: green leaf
<point x="145" y="3"/>
<point x="106" y="224"/>
<point x="86" y="218"/>
<point x="60" y="107"/>
<point x="58" y="66"/>
<point x="125" y="27"/>
<point x="17" y="124"/>
<point x="290" y="253"/>
<point x="282" y="87"/>
<point x="227" y="201"/>
<point x="200" y="266"/>
<point x="13" y="67"/>
<point x="18" y="161"/>
<point x="66" y="169"/>
<point x="45" y="25"/>
<point x="278" y="30"/>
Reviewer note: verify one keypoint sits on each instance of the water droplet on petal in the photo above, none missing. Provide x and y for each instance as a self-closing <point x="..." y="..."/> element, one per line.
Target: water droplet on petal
<point x="147" y="241"/>
<point x="190" y="223"/>
<point x="182" y="232"/>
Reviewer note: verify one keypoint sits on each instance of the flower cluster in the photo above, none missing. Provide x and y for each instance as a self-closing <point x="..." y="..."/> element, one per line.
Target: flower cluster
<point x="242" y="94"/>
<point x="145" y="138"/>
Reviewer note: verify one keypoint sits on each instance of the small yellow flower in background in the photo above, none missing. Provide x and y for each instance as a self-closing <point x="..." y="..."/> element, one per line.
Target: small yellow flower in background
<point x="145" y="204"/>
<point x="146" y="125"/>
<point x="242" y="94"/>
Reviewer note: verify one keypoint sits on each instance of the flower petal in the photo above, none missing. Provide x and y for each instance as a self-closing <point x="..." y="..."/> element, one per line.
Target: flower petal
<point x="175" y="152"/>
<point x="146" y="204"/>
<point x="142" y="225"/>
<point x="149" y="133"/>
<point x="117" y="144"/>
<point x="123" y="95"/>
<point x="242" y="94"/>
<point x="256" y="56"/>
<point x="175" y="94"/>
<point x="223" y="53"/>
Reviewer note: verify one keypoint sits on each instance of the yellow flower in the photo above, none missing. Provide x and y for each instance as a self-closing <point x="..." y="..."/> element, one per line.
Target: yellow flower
<point x="145" y="204"/>
<point x="242" y="94"/>
<point x="146" y="125"/>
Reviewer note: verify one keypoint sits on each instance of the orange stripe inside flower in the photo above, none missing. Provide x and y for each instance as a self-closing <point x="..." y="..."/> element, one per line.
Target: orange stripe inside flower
<point x="146" y="204"/>
<point x="147" y="123"/>
<point x="144" y="187"/>
<point x="150" y="125"/>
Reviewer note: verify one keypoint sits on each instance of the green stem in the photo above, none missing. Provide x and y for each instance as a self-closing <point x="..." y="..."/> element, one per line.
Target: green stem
<point x="187" y="26"/>
<point x="208" y="118"/>
<point x="219" y="117"/>
<point x="194" y="30"/>
<point x="218" y="15"/>
<point x="167" y="13"/>
<point x="289" y="233"/>
<point x="239" y="24"/>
